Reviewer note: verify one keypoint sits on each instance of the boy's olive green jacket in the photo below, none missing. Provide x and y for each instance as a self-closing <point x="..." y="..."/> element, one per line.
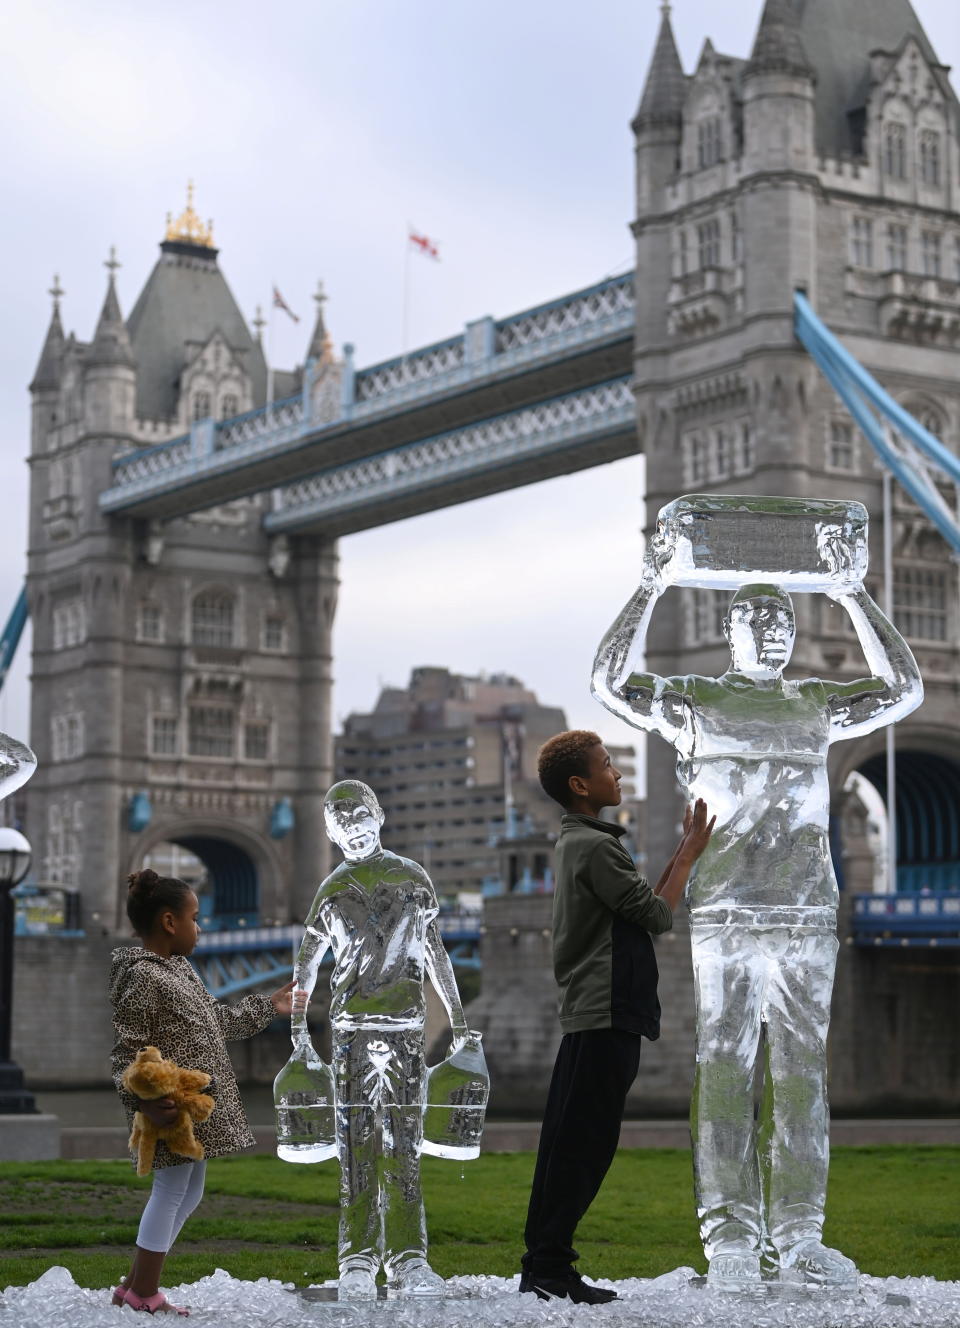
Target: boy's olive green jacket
<point x="603" y="914"/>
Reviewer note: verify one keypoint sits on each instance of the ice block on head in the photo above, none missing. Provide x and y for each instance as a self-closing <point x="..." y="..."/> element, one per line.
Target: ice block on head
<point x="727" y="541"/>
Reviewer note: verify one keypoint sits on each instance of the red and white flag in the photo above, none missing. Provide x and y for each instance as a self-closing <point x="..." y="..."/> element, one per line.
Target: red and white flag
<point x="424" y="245"/>
<point x="280" y="303"/>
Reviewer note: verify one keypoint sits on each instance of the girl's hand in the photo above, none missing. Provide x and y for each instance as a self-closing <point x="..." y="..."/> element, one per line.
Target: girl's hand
<point x="697" y="830"/>
<point x="284" y="1001"/>
<point x="160" y="1111"/>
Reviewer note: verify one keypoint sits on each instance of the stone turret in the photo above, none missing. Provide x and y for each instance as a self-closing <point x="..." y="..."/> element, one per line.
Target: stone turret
<point x="778" y="95"/>
<point x="45" y="386"/>
<point x="109" y="368"/>
<point x="658" y="123"/>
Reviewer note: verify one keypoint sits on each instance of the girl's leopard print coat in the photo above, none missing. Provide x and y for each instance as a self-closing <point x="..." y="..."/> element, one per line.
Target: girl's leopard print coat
<point x="162" y="1003"/>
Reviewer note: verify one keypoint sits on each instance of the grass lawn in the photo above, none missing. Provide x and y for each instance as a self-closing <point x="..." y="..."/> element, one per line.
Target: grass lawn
<point x="895" y="1210"/>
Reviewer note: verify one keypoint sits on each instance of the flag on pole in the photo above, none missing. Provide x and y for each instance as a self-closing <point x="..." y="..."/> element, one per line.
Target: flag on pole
<point x="280" y="303"/>
<point x="424" y="245"/>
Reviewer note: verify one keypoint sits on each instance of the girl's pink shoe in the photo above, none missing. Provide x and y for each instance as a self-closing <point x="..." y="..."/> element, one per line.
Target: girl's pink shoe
<point x="155" y="1304"/>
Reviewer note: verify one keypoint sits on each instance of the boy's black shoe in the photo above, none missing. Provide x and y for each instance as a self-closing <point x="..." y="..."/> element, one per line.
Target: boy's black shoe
<point x="569" y="1287"/>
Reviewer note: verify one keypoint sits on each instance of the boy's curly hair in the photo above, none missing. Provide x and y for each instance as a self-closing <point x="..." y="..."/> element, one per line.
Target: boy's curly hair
<point x="563" y="756"/>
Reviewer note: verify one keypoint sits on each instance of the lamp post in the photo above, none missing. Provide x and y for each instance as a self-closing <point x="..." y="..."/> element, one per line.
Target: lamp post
<point x="15" y="855"/>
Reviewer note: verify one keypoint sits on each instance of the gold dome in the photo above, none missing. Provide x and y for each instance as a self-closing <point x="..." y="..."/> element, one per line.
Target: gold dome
<point x="188" y="228"/>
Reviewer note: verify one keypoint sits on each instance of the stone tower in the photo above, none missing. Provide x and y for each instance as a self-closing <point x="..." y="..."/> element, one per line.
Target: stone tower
<point x="181" y="671"/>
<point x="827" y="160"/>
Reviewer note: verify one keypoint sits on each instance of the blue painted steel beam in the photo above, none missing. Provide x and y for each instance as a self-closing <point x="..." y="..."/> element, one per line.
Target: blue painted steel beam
<point x="12" y="633"/>
<point x="860" y="391"/>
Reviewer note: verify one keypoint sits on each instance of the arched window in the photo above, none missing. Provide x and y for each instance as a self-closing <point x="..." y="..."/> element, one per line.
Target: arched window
<point x="211" y="619"/>
<point x="930" y="158"/>
<point x="228" y="406"/>
<point x="709" y="142"/>
<point x="201" y="406"/>
<point x="895" y="150"/>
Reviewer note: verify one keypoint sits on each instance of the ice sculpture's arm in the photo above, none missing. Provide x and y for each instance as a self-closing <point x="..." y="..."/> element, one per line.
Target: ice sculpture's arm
<point x="313" y="947"/>
<point x="440" y="973"/>
<point x="894" y="690"/>
<point x="644" y="700"/>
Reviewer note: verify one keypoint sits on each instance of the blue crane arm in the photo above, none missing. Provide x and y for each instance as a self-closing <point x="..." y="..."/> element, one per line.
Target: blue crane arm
<point x="860" y="391"/>
<point x="12" y="633"/>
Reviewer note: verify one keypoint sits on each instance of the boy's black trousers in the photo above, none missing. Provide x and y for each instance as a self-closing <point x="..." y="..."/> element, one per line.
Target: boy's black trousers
<point x="581" y="1130"/>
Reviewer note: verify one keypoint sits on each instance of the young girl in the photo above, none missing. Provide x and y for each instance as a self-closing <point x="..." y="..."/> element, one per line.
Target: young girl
<point x="159" y="1001"/>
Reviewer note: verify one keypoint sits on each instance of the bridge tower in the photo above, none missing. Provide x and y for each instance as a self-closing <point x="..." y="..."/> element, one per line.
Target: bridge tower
<point x="181" y="670"/>
<point x="827" y="160"/>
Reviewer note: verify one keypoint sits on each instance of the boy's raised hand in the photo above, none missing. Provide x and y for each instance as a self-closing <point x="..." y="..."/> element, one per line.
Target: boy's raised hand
<point x="284" y="1001"/>
<point x="696" y="829"/>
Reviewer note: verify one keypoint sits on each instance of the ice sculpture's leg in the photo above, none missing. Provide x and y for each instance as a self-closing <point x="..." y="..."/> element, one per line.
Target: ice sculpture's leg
<point x="794" y="1127"/>
<point x="729" y="974"/>
<point x="404" y="1222"/>
<point x="360" y="1219"/>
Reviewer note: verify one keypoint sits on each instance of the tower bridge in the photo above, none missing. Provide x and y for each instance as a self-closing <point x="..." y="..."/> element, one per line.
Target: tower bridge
<point x="183" y="575"/>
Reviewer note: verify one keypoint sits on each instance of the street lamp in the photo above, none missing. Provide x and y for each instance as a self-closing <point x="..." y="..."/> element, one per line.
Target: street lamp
<point x="15" y="855"/>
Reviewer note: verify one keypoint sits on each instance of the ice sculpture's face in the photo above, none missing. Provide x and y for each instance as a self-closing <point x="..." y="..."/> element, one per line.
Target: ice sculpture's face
<point x="761" y="633"/>
<point x="354" y="827"/>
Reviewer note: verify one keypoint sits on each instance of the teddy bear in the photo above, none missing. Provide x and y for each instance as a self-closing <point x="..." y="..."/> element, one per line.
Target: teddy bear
<point x="149" y="1077"/>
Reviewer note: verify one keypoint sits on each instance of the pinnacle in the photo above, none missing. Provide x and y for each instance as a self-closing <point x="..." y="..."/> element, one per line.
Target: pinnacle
<point x="111" y="341"/>
<point x="777" y="47"/>
<point x="665" y="90"/>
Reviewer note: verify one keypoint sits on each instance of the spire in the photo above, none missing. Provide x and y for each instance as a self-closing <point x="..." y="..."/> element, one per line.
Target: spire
<point x="111" y="342"/>
<point x="321" y="345"/>
<point x="778" y="48"/>
<point x="665" y="90"/>
<point x="188" y="228"/>
<point x="47" y="373"/>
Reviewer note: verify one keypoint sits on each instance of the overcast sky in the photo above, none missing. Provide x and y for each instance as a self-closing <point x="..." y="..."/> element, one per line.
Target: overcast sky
<point x="314" y="133"/>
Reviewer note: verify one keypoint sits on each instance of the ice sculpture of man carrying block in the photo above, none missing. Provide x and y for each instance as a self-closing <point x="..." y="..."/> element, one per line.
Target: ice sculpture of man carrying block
<point x="763" y="897"/>
<point x="377" y="912"/>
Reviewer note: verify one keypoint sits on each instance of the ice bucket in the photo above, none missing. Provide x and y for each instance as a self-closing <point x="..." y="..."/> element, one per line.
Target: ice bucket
<point x="727" y="541"/>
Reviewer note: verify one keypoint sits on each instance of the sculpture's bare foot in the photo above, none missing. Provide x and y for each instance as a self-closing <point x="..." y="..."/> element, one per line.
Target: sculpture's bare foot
<point x="733" y="1272"/>
<point x="417" y="1279"/>
<point x="815" y="1264"/>
<point x="356" y="1284"/>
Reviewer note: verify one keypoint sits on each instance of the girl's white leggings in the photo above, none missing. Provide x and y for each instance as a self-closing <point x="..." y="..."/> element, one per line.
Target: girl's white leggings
<point x="175" y="1194"/>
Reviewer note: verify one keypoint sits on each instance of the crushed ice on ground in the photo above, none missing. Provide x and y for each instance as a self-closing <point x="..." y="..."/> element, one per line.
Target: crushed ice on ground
<point x="670" y="1301"/>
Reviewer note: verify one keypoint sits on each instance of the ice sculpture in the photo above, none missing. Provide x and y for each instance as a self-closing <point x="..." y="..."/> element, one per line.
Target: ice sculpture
<point x="17" y="764"/>
<point x="378" y="914"/>
<point x="763" y="897"/>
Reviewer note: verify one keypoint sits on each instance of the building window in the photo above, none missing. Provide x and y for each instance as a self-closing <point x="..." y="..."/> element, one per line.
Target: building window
<point x="274" y="633"/>
<point x="930" y="158"/>
<point x="69" y="624"/>
<point x="66" y="737"/>
<point x="212" y="619"/>
<point x="736" y="239"/>
<point x="697" y="458"/>
<point x="708" y="243"/>
<point x="896" y="247"/>
<point x="256" y="741"/>
<point x="895" y="151"/>
<point x="228" y="406"/>
<point x="956" y="258"/>
<point x="708" y="141"/>
<point x="722" y="453"/>
<point x="920" y="602"/>
<point x="149" y="621"/>
<point x="210" y="731"/>
<point x="706" y="612"/>
<point x="747" y="450"/>
<point x="930" y="253"/>
<point x="861" y="242"/>
<point x="683" y="259"/>
<point x="201" y="406"/>
<point x="163" y="735"/>
<point x="841" y="450"/>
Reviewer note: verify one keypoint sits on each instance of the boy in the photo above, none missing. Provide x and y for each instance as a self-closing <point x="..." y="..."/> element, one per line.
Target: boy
<point x="606" y="969"/>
